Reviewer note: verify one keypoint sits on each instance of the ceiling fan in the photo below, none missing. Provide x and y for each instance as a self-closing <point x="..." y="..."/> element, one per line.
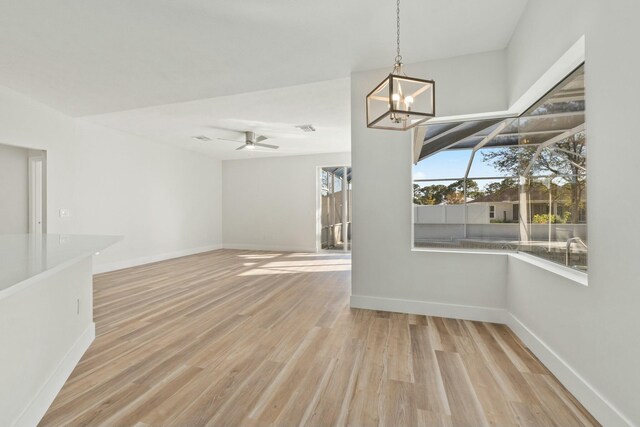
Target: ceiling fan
<point x="251" y="141"/>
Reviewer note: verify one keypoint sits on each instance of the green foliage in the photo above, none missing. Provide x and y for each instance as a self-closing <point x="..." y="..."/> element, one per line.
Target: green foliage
<point x="565" y="159"/>
<point x="497" y="187"/>
<point x="555" y="219"/>
<point x="544" y="219"/>
<point x="452" y="194"/>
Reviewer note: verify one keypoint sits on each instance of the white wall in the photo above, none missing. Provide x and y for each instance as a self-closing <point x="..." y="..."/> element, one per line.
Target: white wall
<point x="26" y="123"/>
<point x="165" y="201"/>
<point x="547" y="29"/>
<point x="271" y="203"/>
<point x="14" y="189"/>
<point x="594" y="329"/>
<point x="385" y="269"/>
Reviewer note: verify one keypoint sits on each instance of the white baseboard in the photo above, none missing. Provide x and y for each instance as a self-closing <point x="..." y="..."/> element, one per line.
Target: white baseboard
<point x="38" y="406"/>
<point x="119" y="265"/>
<point x="590" y="398"/>
<point x="466" y="312"/>
<point x="277" y="248"/>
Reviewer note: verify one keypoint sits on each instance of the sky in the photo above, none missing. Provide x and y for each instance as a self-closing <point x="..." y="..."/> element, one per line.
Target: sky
<point x="453" y="164"/>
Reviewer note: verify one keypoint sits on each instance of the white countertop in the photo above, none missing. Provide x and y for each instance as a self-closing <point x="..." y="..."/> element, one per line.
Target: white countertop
<point x="25" y="256"/>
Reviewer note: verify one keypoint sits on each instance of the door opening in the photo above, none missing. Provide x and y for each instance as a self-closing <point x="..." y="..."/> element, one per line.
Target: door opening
<point x="334" y="208"/>
<point x="37" y="192"/>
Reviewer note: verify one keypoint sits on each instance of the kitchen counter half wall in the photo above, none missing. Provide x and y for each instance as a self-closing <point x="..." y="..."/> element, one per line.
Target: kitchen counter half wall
<point x="24" y="257"/>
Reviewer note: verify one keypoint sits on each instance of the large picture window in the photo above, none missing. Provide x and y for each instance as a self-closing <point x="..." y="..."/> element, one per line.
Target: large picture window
<point x="516" y="183"/>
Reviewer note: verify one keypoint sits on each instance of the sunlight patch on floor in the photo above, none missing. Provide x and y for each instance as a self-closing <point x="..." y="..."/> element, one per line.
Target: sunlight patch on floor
<point x="316" y="255"/>
<point x="306" y="266"/>
<point x="292" y="270"/>
<point x="259" y="256"/>
<point x="305" y="263"/>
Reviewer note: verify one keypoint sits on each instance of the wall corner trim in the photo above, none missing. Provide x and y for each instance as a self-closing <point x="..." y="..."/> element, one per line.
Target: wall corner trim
<point x="40" y="403"/>
<point x="597" y="404"/>
<point x="457" y="311"/>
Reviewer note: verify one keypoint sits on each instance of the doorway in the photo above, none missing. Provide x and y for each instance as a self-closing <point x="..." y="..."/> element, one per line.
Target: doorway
<point x="334" y="222"/>
<point x="37" y="192"/>
<point x="22" y="190"/>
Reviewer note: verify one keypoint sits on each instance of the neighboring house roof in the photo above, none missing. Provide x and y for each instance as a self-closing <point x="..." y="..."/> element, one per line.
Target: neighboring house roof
<point x="506" y="195"/>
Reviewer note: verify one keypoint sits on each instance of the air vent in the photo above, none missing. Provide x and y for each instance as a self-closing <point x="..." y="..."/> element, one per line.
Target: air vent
<point x="202" y="138"/>
<point x="306" y="128"/>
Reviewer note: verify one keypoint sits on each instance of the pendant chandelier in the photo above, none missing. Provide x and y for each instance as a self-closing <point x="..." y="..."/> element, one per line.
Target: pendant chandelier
<point x="400" y="102"/>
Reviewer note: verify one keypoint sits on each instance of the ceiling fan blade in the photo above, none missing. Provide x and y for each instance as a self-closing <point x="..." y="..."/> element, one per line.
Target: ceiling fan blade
<point x="261" y="138"/>
<point x="242" y="147"/>
<point x="230" y="140"/>
<point x="274" y="147"/>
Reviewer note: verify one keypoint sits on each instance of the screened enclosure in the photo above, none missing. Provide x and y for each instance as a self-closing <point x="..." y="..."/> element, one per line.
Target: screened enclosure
<point x="510" y="183"/>
<point x="335" y="210"/>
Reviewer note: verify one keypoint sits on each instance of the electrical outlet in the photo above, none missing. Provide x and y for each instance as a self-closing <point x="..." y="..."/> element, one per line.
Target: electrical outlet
<point x="64" y="213"/>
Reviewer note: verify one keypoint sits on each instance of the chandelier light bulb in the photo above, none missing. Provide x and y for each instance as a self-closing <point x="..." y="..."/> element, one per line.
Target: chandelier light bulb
<point x="396" y="101"/>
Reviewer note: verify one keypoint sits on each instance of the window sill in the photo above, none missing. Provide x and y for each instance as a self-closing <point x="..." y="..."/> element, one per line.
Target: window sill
<point x="463" y="251"/>
<point x="566" y="272"/>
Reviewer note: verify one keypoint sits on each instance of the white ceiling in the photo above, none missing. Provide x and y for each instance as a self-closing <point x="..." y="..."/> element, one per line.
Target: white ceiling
<point x="273" y="113"/>
<point x="87" y="57"/>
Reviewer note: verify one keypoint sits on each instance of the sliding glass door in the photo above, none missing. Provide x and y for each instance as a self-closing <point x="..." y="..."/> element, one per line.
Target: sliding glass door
<point x="335" y="208"/>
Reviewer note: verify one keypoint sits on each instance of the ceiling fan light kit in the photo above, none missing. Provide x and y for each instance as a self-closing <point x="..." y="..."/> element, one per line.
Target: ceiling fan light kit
<point x="400" y="102"/>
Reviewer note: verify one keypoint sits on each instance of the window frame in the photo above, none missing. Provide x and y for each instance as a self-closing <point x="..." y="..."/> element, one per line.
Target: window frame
<point x="516" y="111"/>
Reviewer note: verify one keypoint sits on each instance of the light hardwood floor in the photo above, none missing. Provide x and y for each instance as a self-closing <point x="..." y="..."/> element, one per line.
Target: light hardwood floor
<point x="240" y="338"/>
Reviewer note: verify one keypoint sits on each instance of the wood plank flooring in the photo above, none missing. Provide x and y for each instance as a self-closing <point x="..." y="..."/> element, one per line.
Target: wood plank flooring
<point x="241" y="338"/>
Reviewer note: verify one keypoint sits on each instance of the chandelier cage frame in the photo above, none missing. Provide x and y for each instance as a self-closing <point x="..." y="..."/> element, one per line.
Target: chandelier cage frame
<point x="404" y="107"/>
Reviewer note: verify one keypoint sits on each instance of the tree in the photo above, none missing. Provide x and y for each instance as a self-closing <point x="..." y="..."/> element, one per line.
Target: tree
<point x="417" y="194"/>
<point x="565" y="161"/>
<point x="436" y="194"/>
<point x="455" y="191"/>
<point x="429" y="194"/>
<point x="452" y="194"/>
<point x="498" y="187"/>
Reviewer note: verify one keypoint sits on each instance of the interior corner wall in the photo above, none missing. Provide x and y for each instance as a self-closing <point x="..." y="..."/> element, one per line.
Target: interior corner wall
<point x="270" y="203"/>
<point x="14" y="189"/>
<point x="594" y="330"/>
<point x="165" y="201"/>
<point x="546" y="30"/>
<point x="386" y="272"/>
